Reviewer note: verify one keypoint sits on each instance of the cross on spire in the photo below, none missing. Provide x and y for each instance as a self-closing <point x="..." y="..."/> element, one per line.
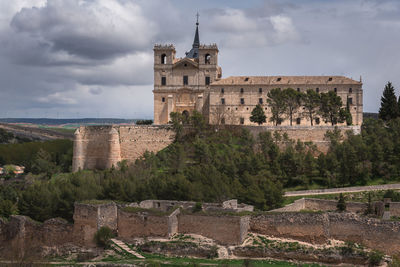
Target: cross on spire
<point x="197" y="16"/>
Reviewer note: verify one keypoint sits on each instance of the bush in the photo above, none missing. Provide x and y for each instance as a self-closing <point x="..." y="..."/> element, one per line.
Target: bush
<point x="341" y="205"/>
<point x="103" y="236"/>
<point x="144" y="122"/>
<point x="375" y="258"/>
<point x="198" y="207"/>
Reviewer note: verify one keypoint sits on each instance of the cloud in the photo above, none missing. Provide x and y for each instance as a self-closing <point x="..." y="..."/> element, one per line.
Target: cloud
<point x="95" y="30"/>
<point x="284" y="29"/>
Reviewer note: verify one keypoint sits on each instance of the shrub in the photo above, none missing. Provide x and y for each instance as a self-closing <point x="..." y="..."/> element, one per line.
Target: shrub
<point x="341" y="205"/>
<point x="197" y="207"/>
<point x="375" y="258"/>
<point x="103" y="236"/>
<point x="213" y="253"/>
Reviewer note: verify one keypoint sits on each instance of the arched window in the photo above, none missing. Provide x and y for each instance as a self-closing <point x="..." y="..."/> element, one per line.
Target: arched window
<point x="163" y="59"/>
<point x="207" y="59"/>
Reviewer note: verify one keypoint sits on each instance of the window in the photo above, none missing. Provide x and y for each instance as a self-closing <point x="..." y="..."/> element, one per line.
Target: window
<point x="163" y="59"/>
<point x="317" y="121"/>
<point x="350" y="100"/>
<point x="260" y="101"/>
<point x="350" y="90"/>
<point x="163" y="99"/>
<point x="241" y="90"/>
<point x="223" y="121"/>
<point x="279" y="79"/>
<point x="298" y="121"/>
<point x="330" y="79"/>
<point x="185" y="80"/>
<point x="335" y="90"/>
<point x="317" y="90"/>
<point x="246" y="79"/>
<point x="298" y="89"/>
<point x="222" y="90"/>
<point x="260" y="90"/>
<point x="163" y="80"/>
<point x="265" y="108"/>
<point x="241" y="120"/>
<point x="207" y="59"/>
<point x="242" y="101"/>
<point x="207" y="80"/>
<point x="223" y="101"/>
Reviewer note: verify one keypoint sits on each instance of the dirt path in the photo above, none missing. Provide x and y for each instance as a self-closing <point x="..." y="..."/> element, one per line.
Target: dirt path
<point x="341" y="190"/>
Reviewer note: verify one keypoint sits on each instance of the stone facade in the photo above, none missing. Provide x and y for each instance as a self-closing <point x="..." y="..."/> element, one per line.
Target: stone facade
<point x="101" y="147"/>
<point x="195" y="83"/>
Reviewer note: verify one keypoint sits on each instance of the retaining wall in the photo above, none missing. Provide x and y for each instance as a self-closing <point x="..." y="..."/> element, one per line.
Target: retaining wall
<point x="319" y="227"/>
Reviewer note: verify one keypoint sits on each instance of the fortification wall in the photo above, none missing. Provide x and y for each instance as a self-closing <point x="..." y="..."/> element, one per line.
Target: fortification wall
<point x="226" y="230"/>
<point x="319" y="227"/>
<point x="101" y="147"/>
<point x="21" y="237"/>
<point x="394" y="209"/>
<point x="132" y="225"/>
<point x="88" y="218"/>
<point x="331" y="205"/>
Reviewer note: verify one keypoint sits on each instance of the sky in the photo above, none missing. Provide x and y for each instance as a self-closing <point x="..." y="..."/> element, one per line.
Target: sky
<point x="94" y="58"/>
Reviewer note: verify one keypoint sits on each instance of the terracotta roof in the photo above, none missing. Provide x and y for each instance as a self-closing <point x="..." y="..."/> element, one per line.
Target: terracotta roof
<point x="284" y="80"/>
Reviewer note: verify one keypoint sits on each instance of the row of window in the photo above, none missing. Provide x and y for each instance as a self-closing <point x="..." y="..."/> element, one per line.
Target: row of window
<point x="260" y="90"/>
<point x="298" y="121"/>
<point x="261" y="101"/>
<point x="185" y="80"/>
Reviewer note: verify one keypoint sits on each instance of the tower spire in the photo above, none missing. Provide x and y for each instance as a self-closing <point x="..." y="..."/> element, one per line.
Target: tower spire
<point x="194" y="52"/>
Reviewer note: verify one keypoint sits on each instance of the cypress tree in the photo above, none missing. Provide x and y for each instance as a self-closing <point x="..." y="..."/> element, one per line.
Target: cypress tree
<point x="389" y="107"/>
<point x="349" y="118"/>
<point x="258" y="115"/>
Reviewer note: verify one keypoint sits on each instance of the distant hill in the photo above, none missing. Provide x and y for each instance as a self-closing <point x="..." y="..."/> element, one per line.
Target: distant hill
<point x="45" y="121"/>
<point x="370" y="115"/>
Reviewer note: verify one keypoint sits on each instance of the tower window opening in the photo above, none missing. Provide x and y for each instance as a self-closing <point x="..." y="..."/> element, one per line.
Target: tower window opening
<point x="163" y="99"/>
<point x="279" y="79"/>
<point x="317" y="121"/>
<point x="241" y="120"/>
<point x="330" y="79"/>
<point x="350" y="100"/>
<point x="222" y="90"/>
<point x="317" y="90"/>
<point x="260" y="101"/>
<point x="298" y="120"/>
<point x="350" y="90"/>
<point x="260" y="90"/>
<point x="242" y="101"/>
<point x="246" y="79"/>
<point x="335" y="90"/>
<point x="207" y="59"/>
<point x="163" y="59"/>
<point x="207" y="80"/>
<point x="298" y="89"/>
<point x="185" y="80"/>
<point x="163" y="80"/>
<point x="223" y="101"/>
<point x="241" y="90"/>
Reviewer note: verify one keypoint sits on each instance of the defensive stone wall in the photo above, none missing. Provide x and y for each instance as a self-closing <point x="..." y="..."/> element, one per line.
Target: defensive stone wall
<point x="101" y="147"/>
<point x="88" y="218"/>
<point x="21" y="237"/>
<point x="141" y="224"/>
<point x="319" y="227"/>
<point x="394" y="208"/>
<point x="226" y="230"/>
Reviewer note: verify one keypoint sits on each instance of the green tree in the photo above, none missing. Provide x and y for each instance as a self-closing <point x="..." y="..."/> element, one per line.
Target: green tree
<point x="292" y="99"/>
<point x="389" y="107"/>
<point x="276" y="101"/>
<point x="330" y="109"/>
<point x="177" y="124"/>
<point x="258" y="115"/>
<point x="349" y="118"/>
<point x="311" y="102"/>
<point x="341" y="205"/>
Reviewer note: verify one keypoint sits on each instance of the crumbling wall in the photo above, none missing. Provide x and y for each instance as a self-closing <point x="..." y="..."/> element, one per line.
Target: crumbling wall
<point x="319" y="227"/>
<point x="394" y="208"/>
<point x="141" y="224"/>
<point x="224" y="229"/>
<point x="88" y="218"/>
<point x="21" y="237"/>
